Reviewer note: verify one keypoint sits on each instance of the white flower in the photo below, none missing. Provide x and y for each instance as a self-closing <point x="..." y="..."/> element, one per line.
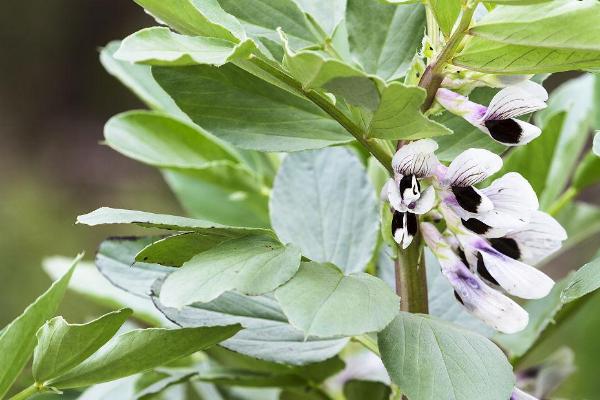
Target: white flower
<point x="483" y="302"/>
<point x="498" y="119"/>
<point x="518" y="394"/>
<point x="514" y="276"/>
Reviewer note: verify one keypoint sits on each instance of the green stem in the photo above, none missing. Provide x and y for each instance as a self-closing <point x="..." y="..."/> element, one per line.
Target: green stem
<point x="368" y="342"/>
<point x="563" y="200"/>
<point x="28" y="392"/>
<point x="432" y="78"/>
<point x="377" y="149"/>
<point x="411" y="278"/>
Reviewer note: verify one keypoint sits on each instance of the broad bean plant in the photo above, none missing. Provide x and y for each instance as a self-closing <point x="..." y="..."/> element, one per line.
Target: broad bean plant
<point x="373" y="192"/>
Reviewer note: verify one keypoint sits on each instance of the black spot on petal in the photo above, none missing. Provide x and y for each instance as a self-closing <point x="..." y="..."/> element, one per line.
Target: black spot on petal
<point x="405" y="184"/>
<point x="476" y="226"/>
<point x="463" y="258"/>
<point x="483" y="272"/>
<point x="507" y="246"/>
<point x="504" y="130"/>
<point x="460" y="300"/>
<point x="467" y="198"/>
<point x="411" y="224"/>
<point x="397" y="222"/>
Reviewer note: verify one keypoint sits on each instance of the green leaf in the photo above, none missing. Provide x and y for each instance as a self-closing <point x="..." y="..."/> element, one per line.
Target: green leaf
<point x="251" y="265"/>
<point x="543" y="25"/>
<point x="446" y="13"/>
<point x="139" y="79"/>
<point x="431" y="359"/>
<point x="105" y="215"/>
<point x="385" y="48"/>
<point x="324" y="302"/>
<point x="359" y="390"/>
<point x="17" y="340"/>
<point x="262" y="17"/>
<point x="163" y="141"/>
<point x="399" y="116"/>
<point x="140" y="350"/>
<point x="530" y="39"/>
<point x="581" y="221"/>
<point x="88" y="282"/>
<point x="587" y="172"/>
<point x="194" y="17"/>
<point x="267" y="334"/>
<point x="248" y="112"/>
<point x="576" y="98"/>
<point x="173" y="251"/>
<point x="516" y="2"/>
<point x="550" y="311"/>
<point x="582" y="282"/>
<point x="228" y="194"/>
<point x="62" y="346"/>
<point x="323" y="202"/>
<point x="160" y="46"/>
<point x="327" y="13"/>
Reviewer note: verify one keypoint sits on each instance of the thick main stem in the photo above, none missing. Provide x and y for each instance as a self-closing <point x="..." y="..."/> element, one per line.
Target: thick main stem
<point x="27" y="393"/>
<point x="411" y="276"/>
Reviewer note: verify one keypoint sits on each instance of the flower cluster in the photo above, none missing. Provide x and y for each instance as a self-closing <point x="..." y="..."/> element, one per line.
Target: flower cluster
<point x="491" y="236"/>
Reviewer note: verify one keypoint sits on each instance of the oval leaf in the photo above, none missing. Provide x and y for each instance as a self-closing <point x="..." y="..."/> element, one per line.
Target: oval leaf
<point x="431" y="359"/>
<point x="252" y="265"/>
<point x="323" y="202"/>
<point x="323" y="302"/>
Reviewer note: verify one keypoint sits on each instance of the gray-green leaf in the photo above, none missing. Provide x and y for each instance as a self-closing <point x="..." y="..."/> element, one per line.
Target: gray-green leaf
<point x="160" y="46"/>
<point x="384" y="38"/>
<point x="431" y="359"/>
<point x="141" y="350"/>
<point x="324" y="302"/>
<point x="251" y="265"/>
<point x="323" y="202"/>
<point x="17" y="340"/>
<point x="248" y="112"/>
<point x="62" y="346"/>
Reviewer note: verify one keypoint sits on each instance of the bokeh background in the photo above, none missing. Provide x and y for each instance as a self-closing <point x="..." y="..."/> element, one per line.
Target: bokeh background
<point x="54" y="100"/>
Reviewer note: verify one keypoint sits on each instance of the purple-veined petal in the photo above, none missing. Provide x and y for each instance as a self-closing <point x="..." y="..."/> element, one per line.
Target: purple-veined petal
<point x="518" y="394"/>
<point x="480" y="300"/>
<point x="541" y="237"/>
<point x="512" y="101"/>
<point x="416" y="158"/>
<point x="514" y="201"/>
<point x="471" y="167"/>
<point x="461" y="105"/>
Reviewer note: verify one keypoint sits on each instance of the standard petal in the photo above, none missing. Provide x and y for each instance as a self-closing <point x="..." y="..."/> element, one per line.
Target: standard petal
<point x="461" y="105"/>
<point x="541" y="237"/>
<point x="514" y="201"/>
<point x="425" y="202"/>
<point x="512" y="101"/>
<point x="471" y="167"/>
<point x="517" y="278"/>
<point x="510" y="132"/>
<point x="416" y="158"/>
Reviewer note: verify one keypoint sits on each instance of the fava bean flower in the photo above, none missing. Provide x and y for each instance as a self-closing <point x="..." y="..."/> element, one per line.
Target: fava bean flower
<point x="499" y="118"/>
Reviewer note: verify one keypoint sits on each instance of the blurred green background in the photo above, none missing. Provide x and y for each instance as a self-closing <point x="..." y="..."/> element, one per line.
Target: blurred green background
<point x="54" y="100"/>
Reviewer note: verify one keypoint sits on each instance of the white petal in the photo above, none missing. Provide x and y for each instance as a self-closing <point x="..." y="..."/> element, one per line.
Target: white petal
<point x="517" y="278"/>
<point x="518" y="394"/>
<point x="540" y="238"/>
<point x="515" y="100"/>
<point x="425" y="202"/>
<point x="514" y="201"/>
<point x="467" y="205"/>
<point x="416" y="158"/>
<point x="460" y="105"/>
<point x="393" y="195"/>
<point x="483" y="302"/>
<point x="471" y="167"/>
